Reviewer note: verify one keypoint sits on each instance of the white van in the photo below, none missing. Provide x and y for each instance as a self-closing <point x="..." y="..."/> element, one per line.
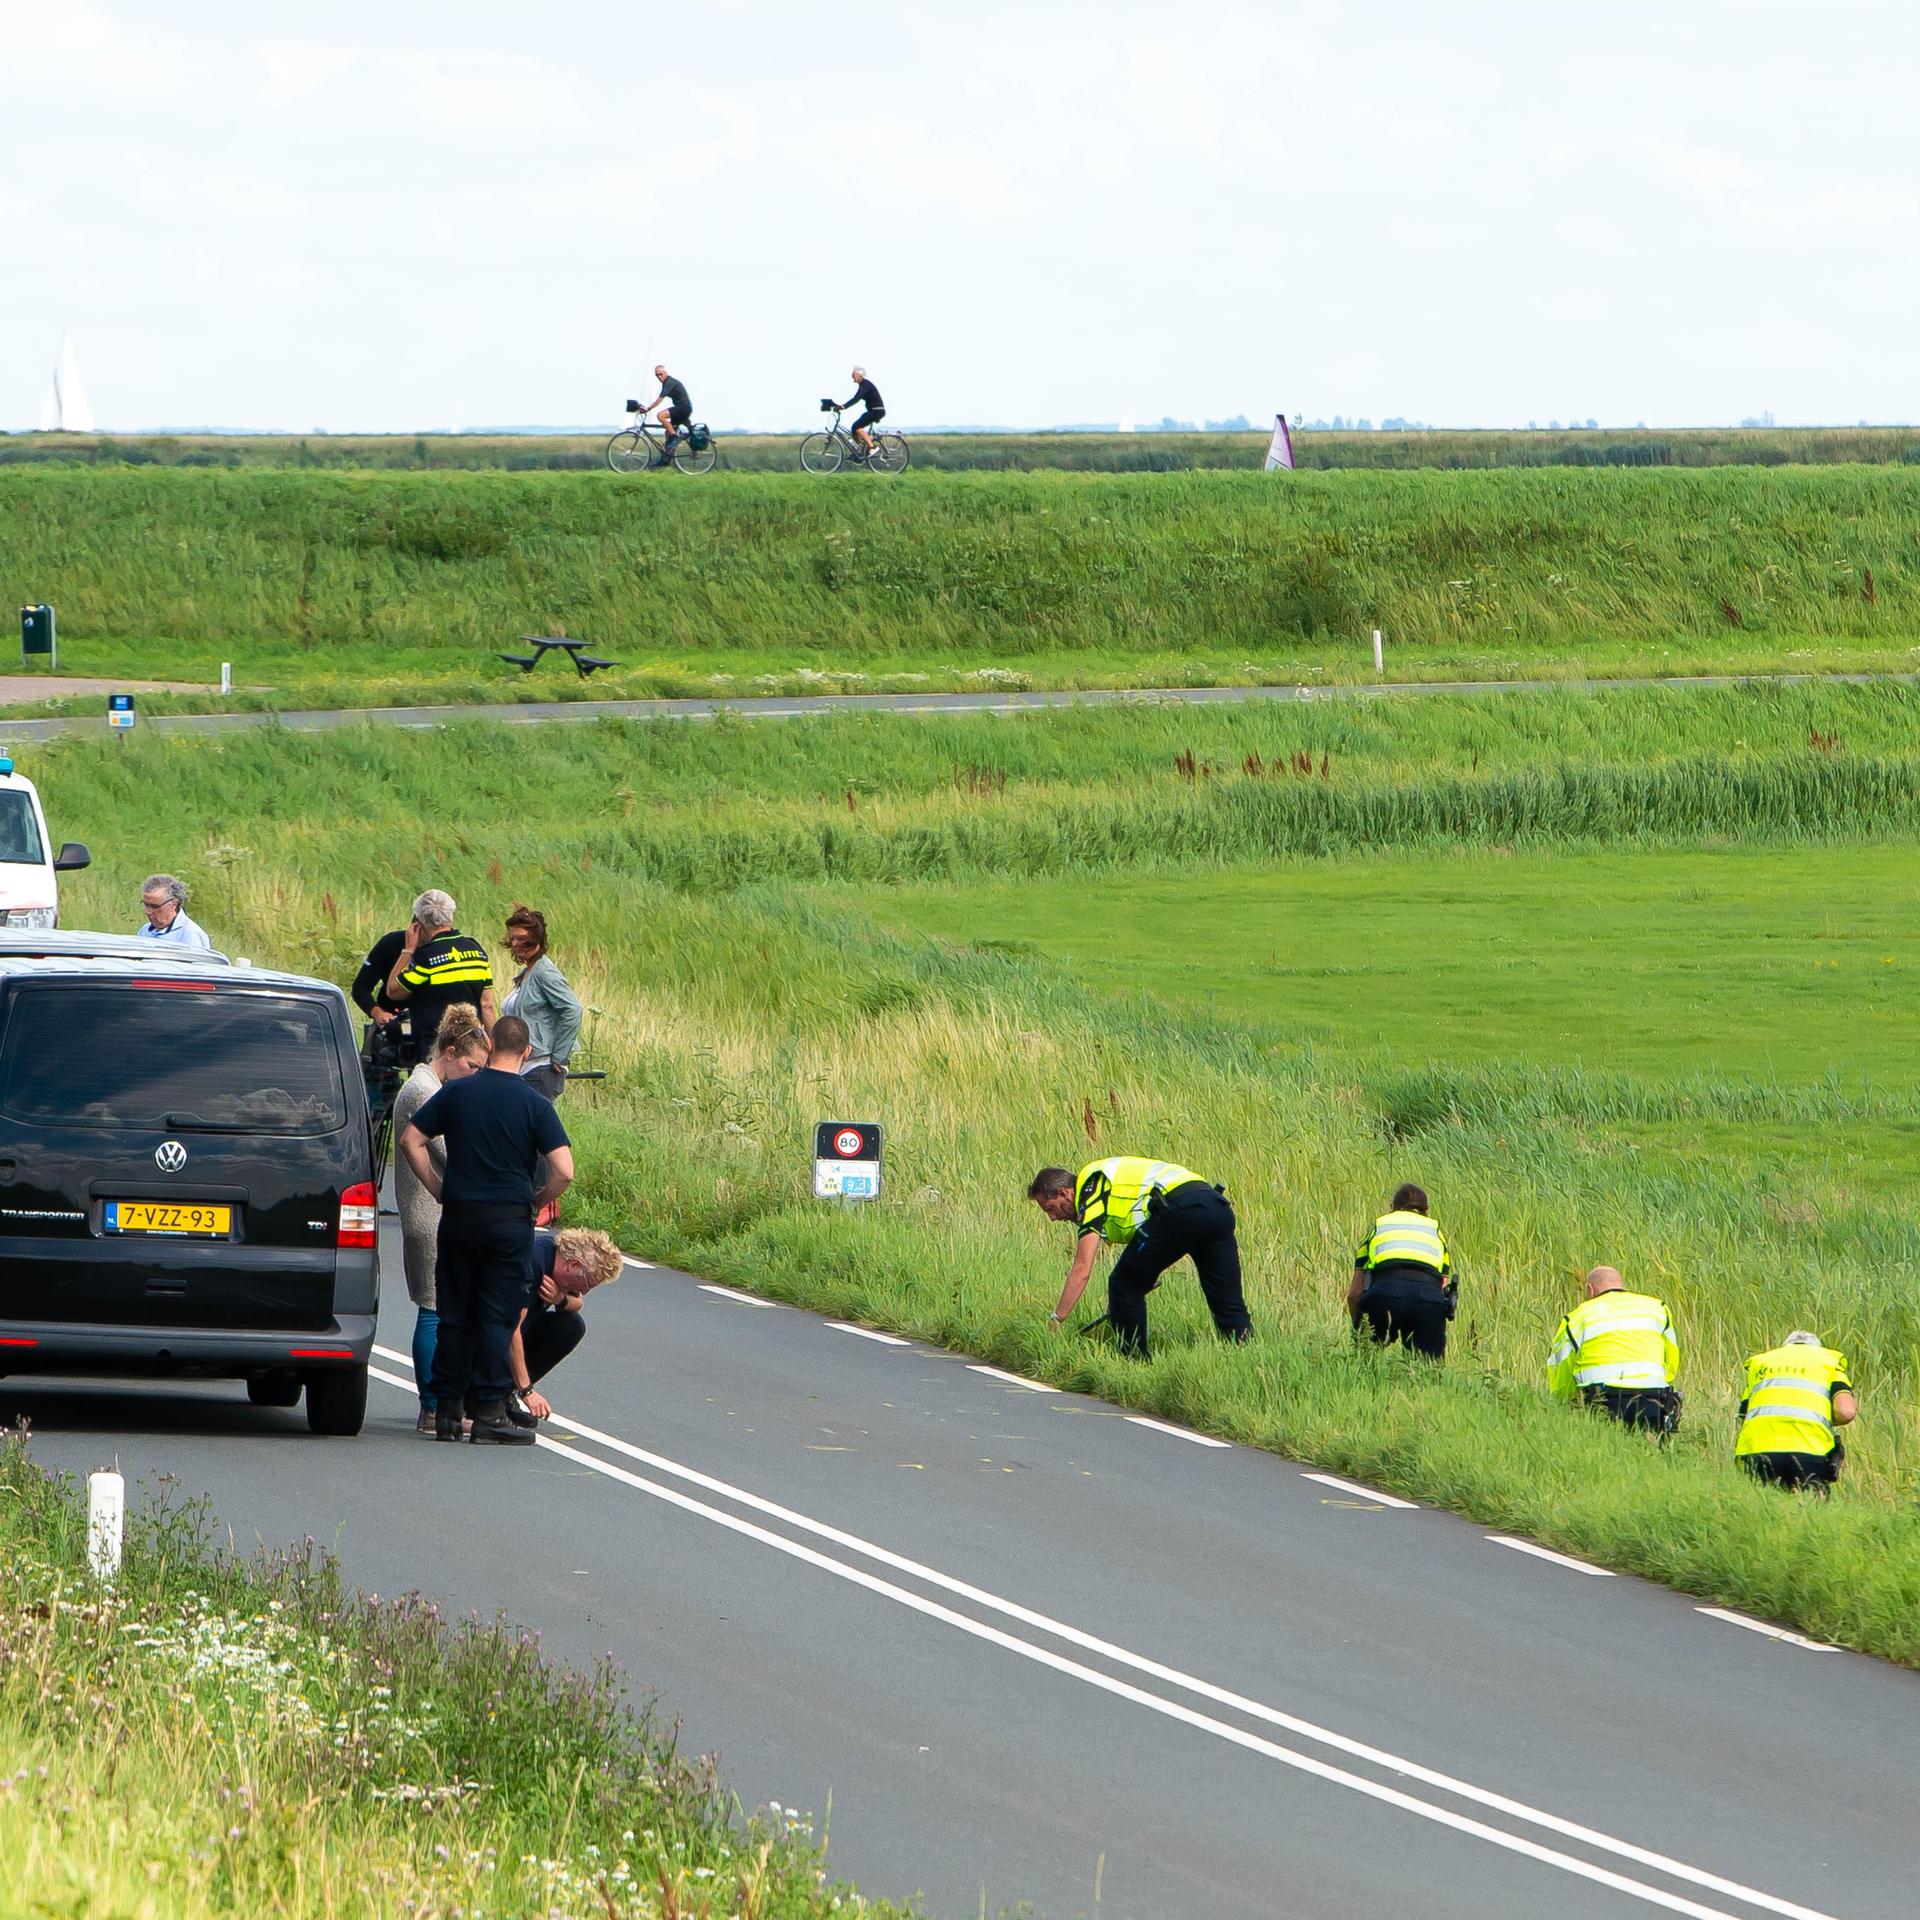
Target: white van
<point x="29" y="890"/>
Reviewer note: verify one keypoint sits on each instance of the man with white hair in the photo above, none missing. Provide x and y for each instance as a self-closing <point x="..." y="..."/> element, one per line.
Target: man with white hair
<point x="164" y="901"/>
<point x="868" y="396"/>
<point x="1796" y="1395"/>
<point x="436" y="966"/>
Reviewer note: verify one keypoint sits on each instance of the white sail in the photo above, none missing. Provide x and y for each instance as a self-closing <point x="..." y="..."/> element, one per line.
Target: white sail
<point x="70" y="396"/>
<point x="50" y="406"/>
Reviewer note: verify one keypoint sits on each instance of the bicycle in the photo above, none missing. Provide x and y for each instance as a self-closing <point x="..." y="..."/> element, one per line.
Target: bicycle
<point x="643" y="445"/>
<point x="823" y="452"/>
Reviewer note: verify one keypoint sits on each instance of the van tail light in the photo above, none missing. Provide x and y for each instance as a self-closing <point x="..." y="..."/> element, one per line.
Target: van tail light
<point x="359" y="1216"/>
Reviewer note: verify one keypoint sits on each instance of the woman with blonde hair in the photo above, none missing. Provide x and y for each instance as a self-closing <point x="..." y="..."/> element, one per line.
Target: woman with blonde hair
<point x="458" y="1048"/>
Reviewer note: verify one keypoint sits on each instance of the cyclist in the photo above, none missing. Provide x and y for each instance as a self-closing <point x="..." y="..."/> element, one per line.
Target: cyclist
<point x="868" y="396"/>
<point x="677" y="411"/>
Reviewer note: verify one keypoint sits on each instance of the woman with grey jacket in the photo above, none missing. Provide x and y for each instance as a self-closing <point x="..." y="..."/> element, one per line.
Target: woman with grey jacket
<point x="542" y="998"/>
<point x="456" y="1050"/>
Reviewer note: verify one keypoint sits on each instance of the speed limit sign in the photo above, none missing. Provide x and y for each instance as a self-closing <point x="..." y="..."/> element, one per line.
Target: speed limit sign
<point x="846" y="1160"/>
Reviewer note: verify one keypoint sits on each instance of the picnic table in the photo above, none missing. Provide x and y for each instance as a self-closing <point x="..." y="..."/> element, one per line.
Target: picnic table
<point x="584" y="662"/>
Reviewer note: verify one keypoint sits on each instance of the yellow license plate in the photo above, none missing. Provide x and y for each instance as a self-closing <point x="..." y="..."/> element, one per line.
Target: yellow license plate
<point x="165" y="1216"/>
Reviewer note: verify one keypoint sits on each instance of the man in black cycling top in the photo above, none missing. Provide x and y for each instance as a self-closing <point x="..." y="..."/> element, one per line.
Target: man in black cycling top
<point x="678" y="409"/>
<point x="868" y="396"/>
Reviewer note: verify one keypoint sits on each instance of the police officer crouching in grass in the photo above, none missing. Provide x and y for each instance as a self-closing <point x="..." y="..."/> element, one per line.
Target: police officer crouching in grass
<point x="1156" y="1213"/>
<point x="1403" y="1283"/>
<point x="1616" y="1351"/>
<point x="1796" y="1394"/>
<point x="496" y="1129"/>
<point x="565" y="1268"/>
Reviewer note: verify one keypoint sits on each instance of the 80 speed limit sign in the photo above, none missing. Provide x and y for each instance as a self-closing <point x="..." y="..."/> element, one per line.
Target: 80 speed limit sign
<point x="846" y="1160"/>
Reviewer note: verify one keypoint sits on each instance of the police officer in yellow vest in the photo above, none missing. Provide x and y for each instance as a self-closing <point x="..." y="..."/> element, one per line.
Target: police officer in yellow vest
<point x="1796" y="1394"/>
<point x="1616" y="1351"/>
<point x="1403" y="1284"/>
<point x="1156" y="1213"/>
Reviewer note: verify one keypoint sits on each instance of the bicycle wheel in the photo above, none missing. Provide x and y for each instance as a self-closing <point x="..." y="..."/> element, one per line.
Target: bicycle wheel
<point x="630" y="452"/>
<point x="820" y="453"/>
<point x="688" y="461"/>
<point x="889" y="454"/>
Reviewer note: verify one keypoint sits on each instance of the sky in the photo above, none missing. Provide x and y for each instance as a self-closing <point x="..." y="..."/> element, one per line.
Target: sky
<point x="417" y="215"/>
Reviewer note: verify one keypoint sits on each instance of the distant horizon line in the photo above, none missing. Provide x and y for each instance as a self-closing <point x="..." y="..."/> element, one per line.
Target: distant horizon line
<point x="1157" y="429"/>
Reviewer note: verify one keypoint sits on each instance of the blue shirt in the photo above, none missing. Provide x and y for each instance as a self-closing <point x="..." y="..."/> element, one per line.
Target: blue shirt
<point x="182" y="933"/>
<point x="496" y="1128"/>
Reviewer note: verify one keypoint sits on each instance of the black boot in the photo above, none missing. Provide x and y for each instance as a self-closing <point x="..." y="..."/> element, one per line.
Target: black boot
<point x="447" y="1422"/>
<point x="490" y="1423"/>
<point x="516" y="1409"/>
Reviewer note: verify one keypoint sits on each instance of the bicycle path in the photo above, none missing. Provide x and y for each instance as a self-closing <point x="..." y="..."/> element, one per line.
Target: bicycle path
<point x="799" y="706"/>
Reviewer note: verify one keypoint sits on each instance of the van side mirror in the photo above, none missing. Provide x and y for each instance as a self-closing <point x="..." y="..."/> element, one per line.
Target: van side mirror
<point x="72" y="857"/>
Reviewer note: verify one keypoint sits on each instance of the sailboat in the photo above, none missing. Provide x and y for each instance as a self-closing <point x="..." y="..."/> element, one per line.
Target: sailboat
<point x="65" y="408"/>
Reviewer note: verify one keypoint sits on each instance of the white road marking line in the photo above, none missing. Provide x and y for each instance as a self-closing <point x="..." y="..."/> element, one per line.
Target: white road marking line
<point x="1138" y="1696"/>
<point x="733" y="1293"/>
<point x="1179" y="1433"/>
<point x="1205" y="1689"/>
<point x="1365" y="1493"/>
<point x="867" y="1333"/>
<point x="1772" y="1632"/>
<point x="627" y="1260"/>
<point x="1012" y="1379"/>
<point x="1547" y="1553"/>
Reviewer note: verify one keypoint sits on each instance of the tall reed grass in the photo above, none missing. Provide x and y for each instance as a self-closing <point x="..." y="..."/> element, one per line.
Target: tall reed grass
<point x="737" y="1015"/>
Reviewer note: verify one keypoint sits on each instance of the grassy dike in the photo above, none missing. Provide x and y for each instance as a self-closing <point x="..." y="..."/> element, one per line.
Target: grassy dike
<point x="204" y="1737"/>
<point x="356" y="587"/>
<point x="744" y="1000"/>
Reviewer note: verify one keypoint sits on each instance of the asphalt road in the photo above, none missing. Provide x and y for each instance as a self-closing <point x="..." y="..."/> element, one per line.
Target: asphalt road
<point x="1033" y="1650"/>
<point x="782" y="707"/>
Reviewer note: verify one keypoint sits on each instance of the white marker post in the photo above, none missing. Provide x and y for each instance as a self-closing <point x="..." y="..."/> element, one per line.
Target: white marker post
<point x="226" y="676"/>
<point x="106" y="1522"/>
<point x="1379" y="653"/>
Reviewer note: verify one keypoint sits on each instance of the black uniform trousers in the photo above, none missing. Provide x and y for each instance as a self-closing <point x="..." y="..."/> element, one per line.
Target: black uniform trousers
<point x="480" y="1277"/>
<point x="547" y="1336"/>
<point x="1407" y="1308"/>
<point x="1816" y="1471"/>
<point x="1652" y="1409"/>
<point x="1194" y="1221"/>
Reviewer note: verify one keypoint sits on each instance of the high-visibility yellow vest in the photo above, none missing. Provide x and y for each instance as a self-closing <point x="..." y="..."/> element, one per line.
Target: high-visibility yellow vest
<point x="1405" y="1238"/>
<point x="1110" y="1196"/>
<point x="1788" y="1404"/>
<point x="1616" y="1339"/>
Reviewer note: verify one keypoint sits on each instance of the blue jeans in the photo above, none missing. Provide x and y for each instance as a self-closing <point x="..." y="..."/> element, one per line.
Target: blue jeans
<point x="426" y="1335"/>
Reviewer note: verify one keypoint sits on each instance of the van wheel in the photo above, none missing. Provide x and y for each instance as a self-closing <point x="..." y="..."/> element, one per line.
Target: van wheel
<point x="337" y="1400"/>
<point x="275" y="1390"/>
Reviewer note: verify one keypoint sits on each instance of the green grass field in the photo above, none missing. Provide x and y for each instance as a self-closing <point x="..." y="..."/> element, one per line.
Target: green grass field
<point x="723" y="894"/>
<point x="994" y="452"/>
<point x="349" y="588"/>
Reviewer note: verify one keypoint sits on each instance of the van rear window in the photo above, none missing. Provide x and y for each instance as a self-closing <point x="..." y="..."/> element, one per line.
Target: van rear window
<point x="19" y="831"/>
<point x="209" y="1061"/>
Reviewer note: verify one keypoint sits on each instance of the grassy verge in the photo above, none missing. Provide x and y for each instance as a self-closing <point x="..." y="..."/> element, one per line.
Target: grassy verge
<point x="205" y="1737"/>
<point x="745" y="1002"/>
<point x="344" y="587"/>
<point x="1091" y="452"/>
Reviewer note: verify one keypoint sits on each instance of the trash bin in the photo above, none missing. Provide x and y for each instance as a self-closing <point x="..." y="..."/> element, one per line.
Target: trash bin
<point x="36" y="633"/>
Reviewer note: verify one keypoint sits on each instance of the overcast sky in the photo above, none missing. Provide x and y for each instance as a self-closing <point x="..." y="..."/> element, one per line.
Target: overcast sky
<point x="415" y="215"/>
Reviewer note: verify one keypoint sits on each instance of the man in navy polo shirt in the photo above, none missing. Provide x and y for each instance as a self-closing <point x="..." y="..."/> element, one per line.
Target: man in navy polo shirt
<point x="496" y="1128"/>
<point x="566" y="1267"/>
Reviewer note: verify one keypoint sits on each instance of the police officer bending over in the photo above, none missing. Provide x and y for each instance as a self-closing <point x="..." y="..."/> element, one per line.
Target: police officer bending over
<point x="1403" y="1283"/>
<point x="1797" y="1393"/>
<point x="1616" y="1351"/>
<point x="1156" y="1213"/>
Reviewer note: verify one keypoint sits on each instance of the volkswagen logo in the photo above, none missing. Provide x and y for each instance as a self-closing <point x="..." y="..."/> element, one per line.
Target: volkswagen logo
<point x="169" y="1156"/>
